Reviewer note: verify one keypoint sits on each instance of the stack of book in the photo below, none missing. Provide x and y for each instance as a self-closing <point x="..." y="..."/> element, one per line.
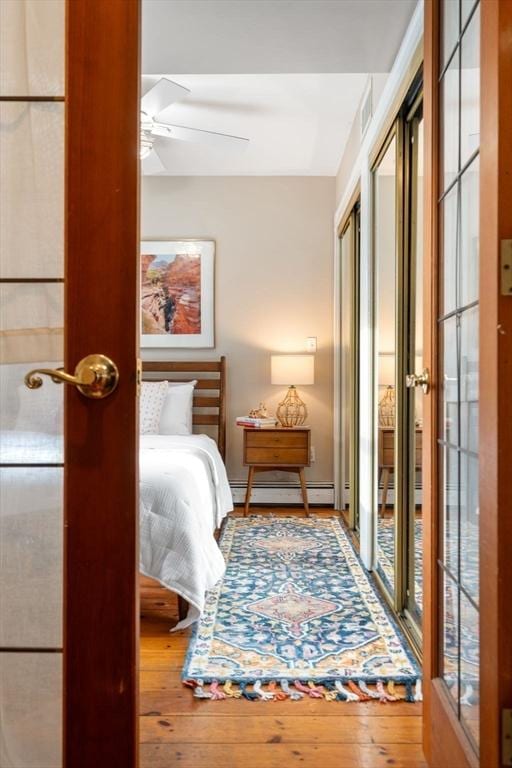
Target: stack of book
<point x="249" y="421"/>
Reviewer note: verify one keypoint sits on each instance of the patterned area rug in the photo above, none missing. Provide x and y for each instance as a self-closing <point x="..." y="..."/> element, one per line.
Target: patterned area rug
<point x="296" y="615"/>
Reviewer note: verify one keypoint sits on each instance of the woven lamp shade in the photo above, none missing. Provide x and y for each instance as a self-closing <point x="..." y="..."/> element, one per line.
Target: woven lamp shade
<point x="387" y="402"/>
<point x="291" y="370"/>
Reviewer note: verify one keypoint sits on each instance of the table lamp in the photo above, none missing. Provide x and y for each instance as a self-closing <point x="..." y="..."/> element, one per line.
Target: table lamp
<point x="291" y="370"/>
<point x="387" y="404"/>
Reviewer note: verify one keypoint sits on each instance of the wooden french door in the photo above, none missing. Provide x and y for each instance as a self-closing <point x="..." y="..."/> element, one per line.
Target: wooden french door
<point x="467" y="415"/>
<point x="69" y="97"/>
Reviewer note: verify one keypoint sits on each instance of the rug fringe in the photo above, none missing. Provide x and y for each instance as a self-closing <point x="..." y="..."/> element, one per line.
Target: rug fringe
<point x="329" y="690"/>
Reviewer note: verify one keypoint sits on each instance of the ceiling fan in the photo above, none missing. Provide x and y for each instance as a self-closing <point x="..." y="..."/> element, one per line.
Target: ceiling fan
<point x="164" y="93"/>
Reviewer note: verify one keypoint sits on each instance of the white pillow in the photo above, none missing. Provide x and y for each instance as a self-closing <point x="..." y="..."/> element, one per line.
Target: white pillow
<point x="176" y="416"/>
<point x="40" y="410"/>
<point x="152" y="398"/>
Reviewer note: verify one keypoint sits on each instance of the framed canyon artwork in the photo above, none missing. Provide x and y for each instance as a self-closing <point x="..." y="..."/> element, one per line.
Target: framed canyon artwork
<point x="176" y="293"/>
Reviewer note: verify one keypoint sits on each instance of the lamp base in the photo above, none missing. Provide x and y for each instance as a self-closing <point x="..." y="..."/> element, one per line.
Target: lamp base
<point x="292" y="411"/>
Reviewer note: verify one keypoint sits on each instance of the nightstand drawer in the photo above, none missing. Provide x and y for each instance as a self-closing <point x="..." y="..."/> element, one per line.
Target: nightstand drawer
<point x="277" y="456"/>
<point x="267" y="439"/>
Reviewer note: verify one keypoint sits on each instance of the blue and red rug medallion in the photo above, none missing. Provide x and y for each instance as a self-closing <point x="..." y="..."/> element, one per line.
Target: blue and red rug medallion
<point x="297" y="615"/>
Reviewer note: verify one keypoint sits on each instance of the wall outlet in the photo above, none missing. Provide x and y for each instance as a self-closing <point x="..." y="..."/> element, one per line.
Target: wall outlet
<point x="312" y="454"/>
<point x="311" y="344"/>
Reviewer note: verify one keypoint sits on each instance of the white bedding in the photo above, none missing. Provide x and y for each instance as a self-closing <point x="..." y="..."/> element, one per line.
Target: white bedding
<point x="184" y="496"/>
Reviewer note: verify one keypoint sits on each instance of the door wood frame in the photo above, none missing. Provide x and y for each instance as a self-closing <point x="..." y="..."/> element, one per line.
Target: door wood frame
<point x="430" y="550"/>
<point x="101" y="453"/>
<point x="443" y="734"/>
<point x="495" y="377"/>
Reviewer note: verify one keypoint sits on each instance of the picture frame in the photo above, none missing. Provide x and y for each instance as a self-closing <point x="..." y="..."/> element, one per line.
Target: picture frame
<point x="177" y="293"/>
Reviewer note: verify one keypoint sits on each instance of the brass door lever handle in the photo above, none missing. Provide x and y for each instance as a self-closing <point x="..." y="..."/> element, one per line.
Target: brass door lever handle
<point x="96" y="376"/>
<point x="423" y="381"/>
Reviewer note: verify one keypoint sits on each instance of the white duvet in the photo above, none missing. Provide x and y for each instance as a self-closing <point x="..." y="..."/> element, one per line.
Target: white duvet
<point x="184" y="496"/>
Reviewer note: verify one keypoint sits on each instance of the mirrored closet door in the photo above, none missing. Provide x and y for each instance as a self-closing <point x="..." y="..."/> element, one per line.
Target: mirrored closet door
<point x="398" y="362"/>
<point x="386" y="249"/>
<point x="349" y="368"/>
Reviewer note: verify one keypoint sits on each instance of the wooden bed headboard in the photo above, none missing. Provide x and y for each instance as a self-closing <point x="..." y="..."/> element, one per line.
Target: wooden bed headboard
<point x="209" y="406"/>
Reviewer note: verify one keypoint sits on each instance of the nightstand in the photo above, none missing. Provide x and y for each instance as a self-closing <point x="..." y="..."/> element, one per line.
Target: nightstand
<point x="277" y="448"/>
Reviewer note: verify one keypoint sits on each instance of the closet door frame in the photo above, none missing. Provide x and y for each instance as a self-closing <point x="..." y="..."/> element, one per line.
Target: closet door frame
<point x="402" y="491"/>
<point x="408" y="311"/>
<point x="395" y="133"/>
<point x="351" y="218"/>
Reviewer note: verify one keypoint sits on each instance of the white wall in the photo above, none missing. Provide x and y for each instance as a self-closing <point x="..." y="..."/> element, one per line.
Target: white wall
<point x="354" y="141"/>
<point x="273" y="286"/>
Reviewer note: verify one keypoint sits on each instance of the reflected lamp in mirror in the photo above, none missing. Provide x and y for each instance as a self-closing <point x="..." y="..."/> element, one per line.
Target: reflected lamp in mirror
<point x="292" y="370"/>
<point x="387" y="403"/>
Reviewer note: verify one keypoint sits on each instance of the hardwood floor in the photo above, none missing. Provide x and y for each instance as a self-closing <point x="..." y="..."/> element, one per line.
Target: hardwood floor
<point x="176" y="729"/>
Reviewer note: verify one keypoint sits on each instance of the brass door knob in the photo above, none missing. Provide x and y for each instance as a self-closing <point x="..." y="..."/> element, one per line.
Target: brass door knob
<point x="96" y="376"/>
<point x="423" y="381"/>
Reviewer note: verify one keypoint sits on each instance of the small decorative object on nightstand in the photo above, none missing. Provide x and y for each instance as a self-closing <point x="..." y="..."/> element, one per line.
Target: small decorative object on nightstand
<point x="291" y="370"/>
<point x="277" y="448"/>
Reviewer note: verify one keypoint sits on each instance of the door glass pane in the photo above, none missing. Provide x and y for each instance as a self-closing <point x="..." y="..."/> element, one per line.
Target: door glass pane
<point x="31" y="336"/>
<point x="469" y="667"/>
<point x="385" y="255"/>
<point x="450" y="124"/>
<point x="450" y="28"/>
<point x="469" y="567"/>
<point x="469" y="505"/>
<point x="450" y="634"/>
<point x="346" y="357"/>
<point x="449" y="475"/>
<point x="469" y="380"/>
<point x="449" y="395"/>
<point x="470" y="90"/>
<point x="466" y="8"/>
<point x="30" y="710"/>
<point x="32" y="47"/>
<point x="469" y="233"/>
<point x="448" y="251"/>
<point x="31" y="557"/>
<point x="31" y="189"/>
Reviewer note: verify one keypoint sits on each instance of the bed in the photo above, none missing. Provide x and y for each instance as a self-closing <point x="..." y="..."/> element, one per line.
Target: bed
<point x="184" y="491"/>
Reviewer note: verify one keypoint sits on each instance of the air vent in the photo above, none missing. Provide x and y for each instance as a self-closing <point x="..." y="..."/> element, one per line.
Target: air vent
<point x="366" y="108"/>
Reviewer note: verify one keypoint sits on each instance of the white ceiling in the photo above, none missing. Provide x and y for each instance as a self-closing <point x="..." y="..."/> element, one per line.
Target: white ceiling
<point x="272" y="36"/>
<point x="297" y="124"/>
<point x="257" y="68"/>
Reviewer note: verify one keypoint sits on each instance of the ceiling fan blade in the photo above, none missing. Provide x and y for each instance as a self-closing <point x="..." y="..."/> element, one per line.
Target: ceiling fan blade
<point x="162" y="95"/>
<point x="212" y="138"/>
<point x="159" y="129"/>
<point x="152" y="163"/>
